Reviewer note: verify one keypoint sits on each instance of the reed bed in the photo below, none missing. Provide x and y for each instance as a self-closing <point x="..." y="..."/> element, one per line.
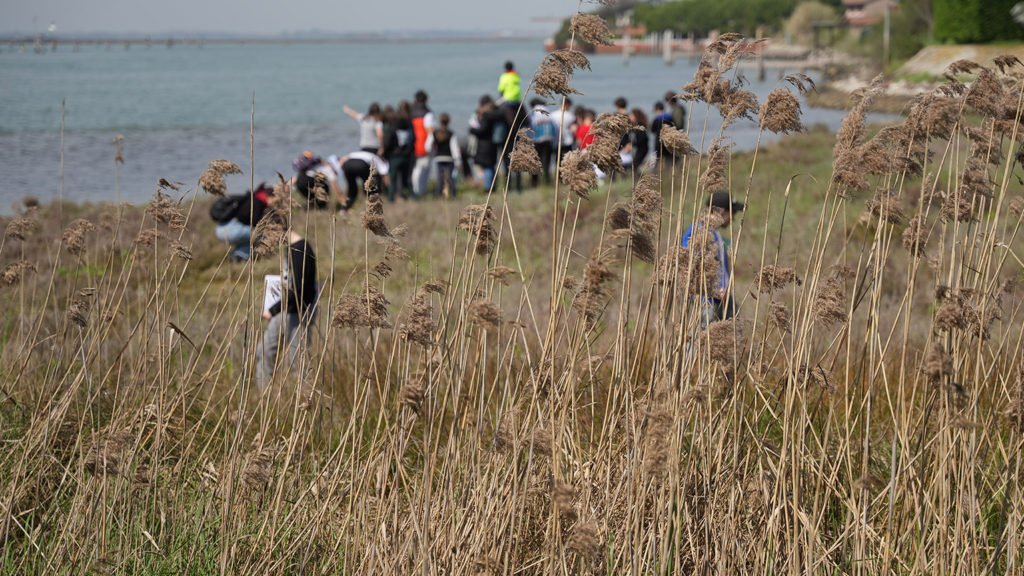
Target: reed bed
<point x="524" y="386"/>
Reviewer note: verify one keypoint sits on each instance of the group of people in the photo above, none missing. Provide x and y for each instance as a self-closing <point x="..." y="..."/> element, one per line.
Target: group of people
<point x="401" y="145"/>
<point x="568" y="128"/>
<point x="407" y="143"/>
<point x="291" y="314"/>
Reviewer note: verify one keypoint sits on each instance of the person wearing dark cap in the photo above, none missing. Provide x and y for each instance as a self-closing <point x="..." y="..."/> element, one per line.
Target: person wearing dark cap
<point x="719" y="304"/>
<point x="677" y="112"/>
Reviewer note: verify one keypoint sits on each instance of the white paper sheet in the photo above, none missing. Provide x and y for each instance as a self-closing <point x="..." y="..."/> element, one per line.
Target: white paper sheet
<point x="272" y="290"/>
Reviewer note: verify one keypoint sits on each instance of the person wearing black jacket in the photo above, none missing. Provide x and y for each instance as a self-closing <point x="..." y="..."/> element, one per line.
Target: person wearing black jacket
<point x="489" y="127"/>
<point x="516" y="117"/>
<point x="635" y="144"/>
<point x="237" y="230"/>
<point x="291" y="316"/>
<point x="400" y="151"/>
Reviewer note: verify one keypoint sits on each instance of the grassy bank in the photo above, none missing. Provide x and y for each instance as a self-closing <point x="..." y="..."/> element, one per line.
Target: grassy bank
<point x="522" y="384"/>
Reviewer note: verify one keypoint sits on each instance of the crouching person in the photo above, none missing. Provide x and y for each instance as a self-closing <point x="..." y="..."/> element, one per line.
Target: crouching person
<point x="316" y="179"/>
<point x="357" y="169"/>
<point x="291" y="316"/>
<point x="236" y="216"/>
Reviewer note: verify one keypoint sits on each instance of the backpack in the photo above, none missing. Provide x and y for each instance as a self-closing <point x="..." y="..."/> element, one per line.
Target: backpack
<point x="403" y="142"/>
<point x="500" y="133"/>
<point x="224" y="208"/>
<point x="306" y="162"/>
<point x="543" y="128"/>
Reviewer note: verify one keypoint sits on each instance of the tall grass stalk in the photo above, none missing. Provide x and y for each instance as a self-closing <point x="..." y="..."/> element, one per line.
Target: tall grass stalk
<point x="529" y="388"/>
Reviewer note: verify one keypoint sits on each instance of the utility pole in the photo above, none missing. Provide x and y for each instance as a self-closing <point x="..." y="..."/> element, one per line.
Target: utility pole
<point x="666" y="47"/>
<point x="885" y="36"/>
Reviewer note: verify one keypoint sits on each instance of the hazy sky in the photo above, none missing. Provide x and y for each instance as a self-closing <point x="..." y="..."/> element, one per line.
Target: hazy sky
<point x="274" y="16"/>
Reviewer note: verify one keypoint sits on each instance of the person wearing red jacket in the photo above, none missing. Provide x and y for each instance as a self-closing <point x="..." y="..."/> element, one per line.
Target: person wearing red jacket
<point x="423" y="124"/>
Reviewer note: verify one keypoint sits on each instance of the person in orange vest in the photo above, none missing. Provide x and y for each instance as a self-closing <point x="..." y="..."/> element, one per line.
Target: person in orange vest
<point x="423" y="126"/>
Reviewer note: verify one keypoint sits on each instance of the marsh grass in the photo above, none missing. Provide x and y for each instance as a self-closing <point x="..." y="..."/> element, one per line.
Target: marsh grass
<point x="521" y="384"/>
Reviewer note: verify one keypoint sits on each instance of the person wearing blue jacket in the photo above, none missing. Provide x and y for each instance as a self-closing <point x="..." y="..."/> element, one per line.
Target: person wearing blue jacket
<point x="719" y="305"/>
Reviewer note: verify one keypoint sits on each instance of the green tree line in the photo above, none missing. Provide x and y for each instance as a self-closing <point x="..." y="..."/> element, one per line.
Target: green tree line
<point x="915" y="23"/>
<point x="702" y="16"/>
<point x="975" y="21"/>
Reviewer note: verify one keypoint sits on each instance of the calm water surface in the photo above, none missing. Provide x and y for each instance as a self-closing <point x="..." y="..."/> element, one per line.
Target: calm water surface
<point x="180" y="107"/>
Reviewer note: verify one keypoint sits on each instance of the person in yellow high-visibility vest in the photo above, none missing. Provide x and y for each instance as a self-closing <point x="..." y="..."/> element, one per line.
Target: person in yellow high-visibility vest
<point x="508" y="85"/>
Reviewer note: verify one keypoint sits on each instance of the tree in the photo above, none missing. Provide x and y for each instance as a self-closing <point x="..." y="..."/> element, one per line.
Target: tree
<point x="911" y="28"/>
<point x="967" y="21"/>
<point x="702" y="16"/>
<point x="800" y="25"/>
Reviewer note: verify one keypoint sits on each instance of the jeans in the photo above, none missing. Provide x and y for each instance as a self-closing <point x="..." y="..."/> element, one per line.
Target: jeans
<point x="445" y="178"/>
<point x="284" y="329"/>
<point x="488" y="177"/>
<point x="236" y="234"/>
<point x="420" y="175"/>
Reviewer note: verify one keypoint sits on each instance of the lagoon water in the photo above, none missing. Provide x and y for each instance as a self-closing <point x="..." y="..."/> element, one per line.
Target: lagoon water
<point x="180" y="107"/>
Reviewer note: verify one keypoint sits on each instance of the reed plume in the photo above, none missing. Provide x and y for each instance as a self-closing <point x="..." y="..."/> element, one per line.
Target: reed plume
<point x="13" y="272"/>
<point x="714" y="178"/>
<point x="419" y="326"/>
<point x="676" y="142"/>
<point x="552" y="77"/>
<point x="501" y="274"/>
<point x="830" y="302"/>
<point x="938" y="364"/>
<point x="524" y="156"/>
<point x="577" y="171"/>
<point x="372" y="184"/>
<point x="590" y="28"/>
<point x="915" y="236"/>
<point x="373" y="217"/>
<point x="477" y="219"/>
<point x="485" y="313"/>
<point x="368" y="309"/>
<point x="885" y="207"/>
<point x="21" y="228"/>
<point x="986" y="94"/>
<point x="212" y="178"/>
<point x="780" y="112"/>
<point x="771" y="278"/>
<point x="780" y="317"/>
<point x="74" y="236"/>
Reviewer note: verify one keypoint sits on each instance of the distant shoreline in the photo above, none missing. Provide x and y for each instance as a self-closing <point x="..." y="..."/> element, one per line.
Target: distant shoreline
<point x="170" y="41"/>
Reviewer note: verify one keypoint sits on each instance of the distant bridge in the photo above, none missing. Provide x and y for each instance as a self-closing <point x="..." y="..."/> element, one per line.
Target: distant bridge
<point x="45" y="44"/>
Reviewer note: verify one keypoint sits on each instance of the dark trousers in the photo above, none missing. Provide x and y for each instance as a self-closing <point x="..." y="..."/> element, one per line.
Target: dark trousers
<point x="445" y="178"/>
<point x="355" y="170"/>
<point x="401" y="176"/>
<point x="305" y="184"/>
<point x="509" y="175"/>
<point x="544" y="151"/>
<point x="565" y="149"/>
